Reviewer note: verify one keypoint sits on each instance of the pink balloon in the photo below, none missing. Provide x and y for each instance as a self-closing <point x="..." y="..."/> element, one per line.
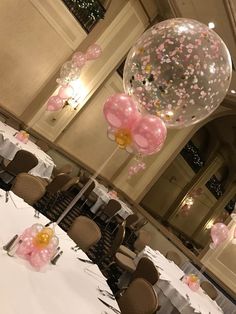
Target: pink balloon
<point x="66" y="92"/>
<point x="149" y="134"/>
<point x="79" y="59"/>
<point x="39" y="259"/>
<point x="194" y="286"/>
<point x="120" y="111"/>
<point x="93" y="52"/>
<point x="54" y="103"/>
<point x="219" y="233"/>
<point x="26" y="247"/>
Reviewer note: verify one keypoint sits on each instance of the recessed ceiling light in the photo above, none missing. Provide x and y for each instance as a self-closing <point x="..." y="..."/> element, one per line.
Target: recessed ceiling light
<point x="233" y="91"/>
<point x="211" y="25"/>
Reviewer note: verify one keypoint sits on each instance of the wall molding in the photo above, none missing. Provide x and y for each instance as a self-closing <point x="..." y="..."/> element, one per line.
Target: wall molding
<point x="60" y="18"/>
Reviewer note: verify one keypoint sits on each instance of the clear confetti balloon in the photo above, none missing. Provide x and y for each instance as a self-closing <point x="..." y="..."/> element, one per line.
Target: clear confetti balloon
<point x="179" y="70"/>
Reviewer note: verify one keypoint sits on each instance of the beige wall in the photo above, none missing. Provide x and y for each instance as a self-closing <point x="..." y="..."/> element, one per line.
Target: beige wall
<point x="31" y="52"/>
<point x="221" y="261"/>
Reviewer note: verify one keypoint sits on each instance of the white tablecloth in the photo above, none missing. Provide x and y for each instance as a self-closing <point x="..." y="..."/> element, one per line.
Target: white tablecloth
<point x="69" y="287"/>
<point x="9" y="146"/>
<point x="104" y="197"/>
<point x="226" y="305"/>
<point x="179" y="295"/>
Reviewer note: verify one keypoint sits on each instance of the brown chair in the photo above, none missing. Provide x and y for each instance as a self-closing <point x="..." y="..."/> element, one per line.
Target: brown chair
<point x="146" y="270"/>
<point x="84" y="232"/>
<point x="23" y="161"/>
<point x="70" y="183"/>
<point x="130" y="220"/>
<point x="57" y="184"/>
<point x="143" y="239"/>
<point x="115" y="257"/>
<point x="209" y="289"/>
<point x="66" y="169"/>
<point x="109" y="211"/>
<point x="28" y="187"/>
<point x="139" y="298"/>
<point x="174" y="257"/>
<point x="44" y="146"/>
<point x="136" y="226"/>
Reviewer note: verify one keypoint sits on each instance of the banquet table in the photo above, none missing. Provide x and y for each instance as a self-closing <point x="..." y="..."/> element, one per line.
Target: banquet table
<point x="71" y="286"/>
<point x="104" y="196"/>
<point x="9" y="145"/>
<point x="224" y="302"/>
<point x="173" y="292"/>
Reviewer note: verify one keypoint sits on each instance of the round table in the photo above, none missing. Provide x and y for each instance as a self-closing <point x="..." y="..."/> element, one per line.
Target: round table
<point x="9" y="146"/>
<point x="71" y="286"/>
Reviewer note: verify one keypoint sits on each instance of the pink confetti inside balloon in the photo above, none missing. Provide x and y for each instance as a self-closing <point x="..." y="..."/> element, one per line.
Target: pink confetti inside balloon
<point x="54" y="103"/>
<point x="120" y="111"/>
<point x="93" y="52"/>
<point x="179" y="70"/>
<point x="219" y="233"/>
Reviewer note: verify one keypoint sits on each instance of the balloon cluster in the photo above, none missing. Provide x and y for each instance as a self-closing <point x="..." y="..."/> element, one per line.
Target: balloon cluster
<point x="219" y="234"/>
<point x="178" y="71"/>
<point x="37" y="244"/>
<point x="136" y="133"/>
<point x="192" y="281"/>
<point x="22" y="136"/>
<point x="70" y="71"/>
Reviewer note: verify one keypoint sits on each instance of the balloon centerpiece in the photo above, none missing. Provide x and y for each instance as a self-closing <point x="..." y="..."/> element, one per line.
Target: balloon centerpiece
<point x="37" y="244"/>
<point x="192" y="281"/>
<point x="22" y="136"/>
<point x="176" y="74"/>
<point x="70" y="71"/>
<point x="141" y="135"/>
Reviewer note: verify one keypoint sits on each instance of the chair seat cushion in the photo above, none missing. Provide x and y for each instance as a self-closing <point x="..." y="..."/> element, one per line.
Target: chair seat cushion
<point x="126" y="251"/>
<point x="125" y="262"/>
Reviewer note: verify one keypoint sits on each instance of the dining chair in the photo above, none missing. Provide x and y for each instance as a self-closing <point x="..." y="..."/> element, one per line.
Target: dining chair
<point x="58" y="183"/>
<point x="174" y="257"/>
<point x="143" y="239"/>
<point x="84" y="232"/>
<point x="42" y="145"/>
<point x="28" y="187"/>
<point x="65" y="169"/>
<point x="109" y="211"/>
<point x="134" y="227"/>
<point x="209" y="289"/>
<point x="23" y="161"/>
<point x="131" y="219"/>
<point x="146" y="270"/>
<point x="139" y="298"/>
<point x="70" y="183"/>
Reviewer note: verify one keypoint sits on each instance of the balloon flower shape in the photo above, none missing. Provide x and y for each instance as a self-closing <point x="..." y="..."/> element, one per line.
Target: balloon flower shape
<point x="22" y="136"/>
<point x="143" y="135"/>
<point x="219" y="233"/>
<point x="192" y="281"/>
<point x="130" y="130"/>
<point x="37" y="244"/>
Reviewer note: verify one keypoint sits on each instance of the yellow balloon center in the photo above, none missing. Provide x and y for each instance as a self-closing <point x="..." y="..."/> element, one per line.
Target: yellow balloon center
<point x="43" y="238"/>
<point x="123" y="138"/>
